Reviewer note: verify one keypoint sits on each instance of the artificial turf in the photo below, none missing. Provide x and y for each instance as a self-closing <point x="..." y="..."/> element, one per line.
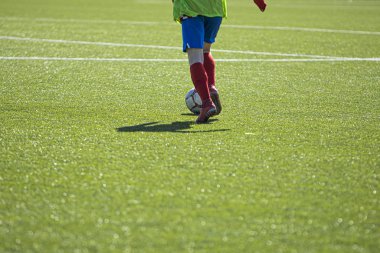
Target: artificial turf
<point x="103" y="156"/>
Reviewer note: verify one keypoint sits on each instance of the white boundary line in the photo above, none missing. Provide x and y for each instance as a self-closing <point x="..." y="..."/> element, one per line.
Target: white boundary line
<point x="161" y="47"/>
<point x="36" y="58"/>
<point x="126" y="22"/>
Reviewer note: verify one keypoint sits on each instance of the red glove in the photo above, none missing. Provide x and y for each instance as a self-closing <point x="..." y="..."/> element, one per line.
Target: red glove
<point x="261" y="4"/>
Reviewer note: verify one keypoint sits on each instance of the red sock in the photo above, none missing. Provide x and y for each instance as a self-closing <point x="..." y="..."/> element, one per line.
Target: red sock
<point x="209" y="65"/>
<point x="199" y="77"/>
<point x="261" y="4"/>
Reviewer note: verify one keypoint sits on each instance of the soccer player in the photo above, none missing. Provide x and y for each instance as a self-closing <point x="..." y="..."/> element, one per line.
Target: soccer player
<point x="200" y="21"/>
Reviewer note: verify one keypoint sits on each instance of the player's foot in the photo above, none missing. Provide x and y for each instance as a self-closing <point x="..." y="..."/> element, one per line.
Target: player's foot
<point x="206" y="112"/>
<point x="215" y="99"/>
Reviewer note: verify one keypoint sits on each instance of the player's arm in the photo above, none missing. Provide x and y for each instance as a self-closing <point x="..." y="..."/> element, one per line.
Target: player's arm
<point x="261" y="4"/>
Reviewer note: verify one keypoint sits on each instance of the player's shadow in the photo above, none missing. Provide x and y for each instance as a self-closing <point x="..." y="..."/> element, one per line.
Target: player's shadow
<point x="175" y="127"/>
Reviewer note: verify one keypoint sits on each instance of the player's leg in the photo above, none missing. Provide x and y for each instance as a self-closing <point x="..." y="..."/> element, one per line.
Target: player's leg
<point x="211" y="30"/>
<point x="195" y="55"/>
<point x="209" y="64"/>
<point x="193" y="40"/>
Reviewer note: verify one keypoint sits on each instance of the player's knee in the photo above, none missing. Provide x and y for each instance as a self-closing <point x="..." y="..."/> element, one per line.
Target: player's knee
<point x="195" y="55"/>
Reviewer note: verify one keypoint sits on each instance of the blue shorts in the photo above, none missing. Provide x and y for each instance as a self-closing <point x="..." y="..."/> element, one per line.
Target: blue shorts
<point x="199" y="29"/>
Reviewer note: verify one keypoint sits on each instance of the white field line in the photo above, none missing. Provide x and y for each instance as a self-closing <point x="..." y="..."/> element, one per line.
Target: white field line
<point x="126" y="22"/>
<point x="303" y="29"/>
<point x="160" y="47"/>
<point x="87" y="21"/>
<point x="36" y="58"/>
<point x="86" y="43"/>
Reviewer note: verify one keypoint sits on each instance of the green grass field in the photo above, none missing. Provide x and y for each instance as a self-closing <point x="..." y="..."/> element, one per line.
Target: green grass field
<point x="98" y="152"/>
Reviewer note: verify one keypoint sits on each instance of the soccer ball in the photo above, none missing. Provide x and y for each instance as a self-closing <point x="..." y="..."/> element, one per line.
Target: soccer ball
<point x="193" y="101"/>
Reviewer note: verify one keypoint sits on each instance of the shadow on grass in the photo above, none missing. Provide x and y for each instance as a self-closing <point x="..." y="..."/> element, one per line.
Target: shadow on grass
<point x="189" y="114"/>
<point x="175" y="127"/>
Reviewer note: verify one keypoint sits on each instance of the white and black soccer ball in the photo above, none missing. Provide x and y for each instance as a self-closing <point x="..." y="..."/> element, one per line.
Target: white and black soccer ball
<point x="193" y="101"/>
